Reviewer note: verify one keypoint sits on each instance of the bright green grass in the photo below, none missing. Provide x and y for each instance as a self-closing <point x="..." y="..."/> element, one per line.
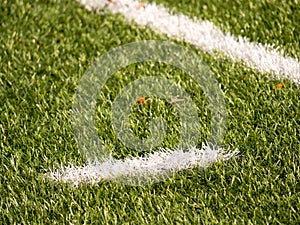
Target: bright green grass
<point x="264" y="21"/>
<point x="45" y="48"/>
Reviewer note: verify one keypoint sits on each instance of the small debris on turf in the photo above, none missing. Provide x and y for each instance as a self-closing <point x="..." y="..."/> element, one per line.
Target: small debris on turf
<point x="141" y="5"/>
<point x="174" y="100"/>
<point x="142" y="100"/>
<point x="279" y="85"/>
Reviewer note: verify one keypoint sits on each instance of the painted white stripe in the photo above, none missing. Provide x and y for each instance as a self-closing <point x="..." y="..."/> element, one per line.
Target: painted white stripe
<point x="157" y="163"/>
<point x="204" y="35"/>
<point x="207" y="37"/>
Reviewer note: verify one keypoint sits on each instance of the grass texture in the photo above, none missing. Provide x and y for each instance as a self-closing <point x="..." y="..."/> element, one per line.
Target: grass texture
<point x="45" y="48"/>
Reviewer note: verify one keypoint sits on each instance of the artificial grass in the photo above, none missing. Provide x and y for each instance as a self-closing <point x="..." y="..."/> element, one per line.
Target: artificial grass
<point x="46" y="46"/>
<point x="263" y="21"/>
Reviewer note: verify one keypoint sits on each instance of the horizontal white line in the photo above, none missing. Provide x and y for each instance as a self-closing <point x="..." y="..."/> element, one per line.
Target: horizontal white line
<point x="204" y="35"/>
<point x="155" y="164"/>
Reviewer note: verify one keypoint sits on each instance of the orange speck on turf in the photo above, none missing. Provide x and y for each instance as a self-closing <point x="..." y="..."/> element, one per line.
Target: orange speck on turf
<point x="140" y="6"/>
<point x="279" y="85"/>
<point x="142" y="100"/>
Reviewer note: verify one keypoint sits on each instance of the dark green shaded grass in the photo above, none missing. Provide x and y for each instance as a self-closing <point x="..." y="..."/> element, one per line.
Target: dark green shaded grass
<point x="45" y="48"/>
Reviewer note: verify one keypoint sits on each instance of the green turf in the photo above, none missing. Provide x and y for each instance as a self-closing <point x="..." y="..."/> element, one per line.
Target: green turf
<point x="45" y="48"/>
<point x="264" y="21"/>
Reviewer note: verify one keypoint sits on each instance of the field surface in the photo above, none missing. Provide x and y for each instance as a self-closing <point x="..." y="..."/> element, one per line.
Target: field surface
<point x="45" y="49"/>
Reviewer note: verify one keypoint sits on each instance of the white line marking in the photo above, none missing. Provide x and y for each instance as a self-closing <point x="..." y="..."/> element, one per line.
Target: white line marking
<point x="204" y="35"/>
<point x="207" y="37"/>
<point x="157" y="163"/>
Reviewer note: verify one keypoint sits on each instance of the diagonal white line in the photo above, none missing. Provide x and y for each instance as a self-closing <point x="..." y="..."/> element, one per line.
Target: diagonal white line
<point x="204" y="35"/>
<point x="154" y="164"/>
<point x="207" y="37"/>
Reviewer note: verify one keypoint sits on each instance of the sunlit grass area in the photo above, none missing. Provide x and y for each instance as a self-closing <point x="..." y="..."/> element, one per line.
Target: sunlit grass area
<point x="46" y="47"/>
